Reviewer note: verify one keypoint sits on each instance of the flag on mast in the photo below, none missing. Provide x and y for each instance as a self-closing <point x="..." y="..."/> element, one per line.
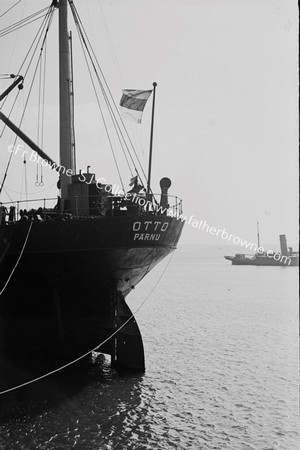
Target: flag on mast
<point x="132" y="104"/>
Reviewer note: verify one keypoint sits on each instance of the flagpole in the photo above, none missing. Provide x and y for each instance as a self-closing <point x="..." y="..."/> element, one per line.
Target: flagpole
<point x="151" y="143"/>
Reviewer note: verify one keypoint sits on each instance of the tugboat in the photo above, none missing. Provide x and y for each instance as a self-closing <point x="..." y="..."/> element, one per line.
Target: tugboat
<point x="68" y="263"/>
<point x="287" y="257"/>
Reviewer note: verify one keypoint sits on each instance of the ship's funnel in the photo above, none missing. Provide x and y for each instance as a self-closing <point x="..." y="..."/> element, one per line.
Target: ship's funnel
<point x="283" y="244"/>
<point x="165" y="184"/>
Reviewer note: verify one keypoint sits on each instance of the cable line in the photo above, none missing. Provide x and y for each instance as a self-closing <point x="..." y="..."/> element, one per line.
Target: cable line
<point x="104" y="123"/>
<point x="43" y="29"/>
<point x="22" y="23"/>
<point x="110" y="102"/>
<point x="18" y="260"/>
<point x="10" y="8"/>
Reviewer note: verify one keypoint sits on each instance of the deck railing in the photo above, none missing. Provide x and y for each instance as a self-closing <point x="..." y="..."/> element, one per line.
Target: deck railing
<point x="83" y="206"/>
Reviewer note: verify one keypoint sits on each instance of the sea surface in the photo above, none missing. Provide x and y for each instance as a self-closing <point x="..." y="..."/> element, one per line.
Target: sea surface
<point x="222" y="368"/>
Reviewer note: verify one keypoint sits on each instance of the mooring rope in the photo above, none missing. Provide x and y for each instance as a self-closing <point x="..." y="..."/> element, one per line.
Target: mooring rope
<point x="18" y="260"/>
<point x="95" y="348"/>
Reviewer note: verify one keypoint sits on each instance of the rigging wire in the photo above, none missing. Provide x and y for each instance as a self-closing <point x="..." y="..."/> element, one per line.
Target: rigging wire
<point x="6" y="172"/>
<point x="10" y="8"/>
<point x="83" y="44"/>
<point x="26" y="56"/>
<point x="29" y="193"/>
<point x="43" y="29"/>
<point x="13" y="146"/>
<point x="9" y="195"/>
<point x="111" y="96"/>
<point x="48" y="19"/>
<point x="102" y="114"/>
<point x="40" y="114"/>
<point x="43" y="107"/>
<point x="18" y="260"/>
<point x="108" y="103"/>
<point x="21" y="186"/>
<point x="16" y="37"/>
<point x="90" y="52"/>
<point x="22" y="23"/>
<point x="38" y="123"/>
<point x="4" y="126"/>
<point x="118" y="71"/>
<point x="95" y="349"/>
<point x="25" y="177"/>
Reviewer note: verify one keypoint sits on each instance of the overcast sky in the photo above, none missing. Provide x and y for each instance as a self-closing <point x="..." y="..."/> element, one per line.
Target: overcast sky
<point x="226" y="122"/>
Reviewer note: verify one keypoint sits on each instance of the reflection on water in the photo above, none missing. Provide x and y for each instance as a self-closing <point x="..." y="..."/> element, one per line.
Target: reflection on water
<point x="57" y="387"/>
<point x="77" y="404"/>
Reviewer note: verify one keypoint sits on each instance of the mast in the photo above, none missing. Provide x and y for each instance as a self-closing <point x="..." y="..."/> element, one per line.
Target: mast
<point x="72" y="103"/>
<point x="65" y="119"/>
<point x="151" y="143"/>
<point x="257" y="226"/>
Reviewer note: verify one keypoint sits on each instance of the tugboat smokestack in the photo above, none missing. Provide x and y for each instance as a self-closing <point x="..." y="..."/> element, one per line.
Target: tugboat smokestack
<point x="283" y="244"/>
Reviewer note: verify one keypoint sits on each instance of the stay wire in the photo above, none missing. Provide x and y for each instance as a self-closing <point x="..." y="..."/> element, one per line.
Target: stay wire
<point x="99" y="105"/>
<point x="44" y="26"/>
<point x="43" y="106"/>
<point x="95" y="348"/>
<point x="39" y="119"/>
<point x="26" y="185"/>
<point x="83" y="45"/>
<point x="29" y="193"/>
<point x="6" y="172"/>
<point x="10" y="8"/>
<point x="22" y="23"/>
<point x="90" y="53"/>
<point x="11" y="200"/>
<point x="40" y="30"/>
<point x="103" y="119"/>
<point x="24" y="19"/>
<point x="13" y="105"/>
<point x="77" y="18"/>
<point x="112" y="114"/>
<point x="111" y="45"/>
<point x="113" y="102"/>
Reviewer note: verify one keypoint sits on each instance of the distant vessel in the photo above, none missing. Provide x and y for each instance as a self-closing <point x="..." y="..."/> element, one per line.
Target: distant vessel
<point x="287" y="257"/>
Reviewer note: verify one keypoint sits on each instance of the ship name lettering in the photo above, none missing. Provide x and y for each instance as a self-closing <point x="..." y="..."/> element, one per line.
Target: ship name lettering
<point x="146" y="237"/>
<point x="149" y="225"/>
<point x="136" y="226"/>
<point x="164" y="226"/>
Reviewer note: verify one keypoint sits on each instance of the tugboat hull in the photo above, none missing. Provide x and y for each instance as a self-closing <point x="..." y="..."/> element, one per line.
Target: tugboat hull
<point x="263" y="261"/>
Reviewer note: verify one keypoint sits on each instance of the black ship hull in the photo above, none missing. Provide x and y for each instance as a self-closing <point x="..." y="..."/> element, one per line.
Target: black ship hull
<point x="67" y="292"/>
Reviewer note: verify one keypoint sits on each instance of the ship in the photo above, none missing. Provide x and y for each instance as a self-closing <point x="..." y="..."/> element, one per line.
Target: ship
<point x="68" y="263"/>
<point x="286" y="258"/>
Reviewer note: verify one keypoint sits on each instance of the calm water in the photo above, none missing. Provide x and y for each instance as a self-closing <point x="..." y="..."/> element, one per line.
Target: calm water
<point x="221" y="346"/>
